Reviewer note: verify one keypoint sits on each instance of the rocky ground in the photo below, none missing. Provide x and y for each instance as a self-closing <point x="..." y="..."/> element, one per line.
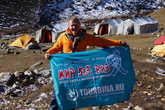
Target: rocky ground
<point x="29" y="86"/>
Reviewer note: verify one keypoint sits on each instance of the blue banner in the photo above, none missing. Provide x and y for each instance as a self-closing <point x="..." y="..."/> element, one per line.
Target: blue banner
<point x="92" y="78"/>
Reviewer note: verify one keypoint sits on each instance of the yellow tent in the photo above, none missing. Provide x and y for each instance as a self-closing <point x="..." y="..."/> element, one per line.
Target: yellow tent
<point x="22" y="41"/>
<point x="159" y="50"/>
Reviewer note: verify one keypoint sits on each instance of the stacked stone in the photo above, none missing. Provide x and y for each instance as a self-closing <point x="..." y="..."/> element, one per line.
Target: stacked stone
<point x="11" y="82"/>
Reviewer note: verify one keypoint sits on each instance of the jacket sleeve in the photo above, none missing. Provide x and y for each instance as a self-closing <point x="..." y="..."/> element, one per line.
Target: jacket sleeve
<point x="57" y="47"/>
<point x="101" y="42"/>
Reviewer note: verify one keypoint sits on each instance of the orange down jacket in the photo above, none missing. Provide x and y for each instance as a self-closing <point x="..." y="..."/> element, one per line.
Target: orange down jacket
<point x="64" y="44"/>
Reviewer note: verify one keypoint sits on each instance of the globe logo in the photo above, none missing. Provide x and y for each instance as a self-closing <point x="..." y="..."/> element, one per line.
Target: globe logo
<point x="72" y="95"/>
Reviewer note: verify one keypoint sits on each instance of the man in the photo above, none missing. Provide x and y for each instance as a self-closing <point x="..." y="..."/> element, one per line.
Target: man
<point x="75" y="39"/>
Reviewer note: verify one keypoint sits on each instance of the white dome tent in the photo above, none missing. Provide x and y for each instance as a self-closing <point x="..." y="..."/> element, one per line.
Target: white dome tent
<point x="126" y="27"/>
<point x="113" y="25"/>
<point x="137" y="25"/>
<point x="144" y="25"/>
<point x="44" y="34"/>
<point x="110" y="25"/>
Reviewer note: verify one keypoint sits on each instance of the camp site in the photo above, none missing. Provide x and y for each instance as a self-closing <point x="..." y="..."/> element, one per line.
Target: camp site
<point x="30" y="28"/>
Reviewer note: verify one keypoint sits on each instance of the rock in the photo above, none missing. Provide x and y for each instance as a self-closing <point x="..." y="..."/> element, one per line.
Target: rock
<point x="154" y="106"/>
<point x="147" y="93"/>
<point x="45" y="73"/>
<point x="139" y="83"/>
<point x="42" y="72"/>
<point x="32" y="87"/>
<point x="159" y="96"/>
<point x="17" y="93"/>
<point x="17" y="52"/>
<point x="130" y="107"/>
<point x="137" y="72"/>
<point x="149" y="87"/>
<point x="32" y="46"/>
<point x="3" y="88"/>
<point x="160" y="71"/>
<point x="36" y="64"/>
<point x="161" y="87"/>
<point x="42" y="81"/>
<point x="10" y="90"/>
<point x="5" y="76"/>
<point x="162" y="99"/>
<point x="9" y="51"/>
<point x="43" y="95"/>
<point x="18" y="74"/>
<point x="96" y="108"/>
<point x="36" y="71"/>
<point x="138" y="108"/>
<point x="28" y="73"/>
<point x="11" y="80"/>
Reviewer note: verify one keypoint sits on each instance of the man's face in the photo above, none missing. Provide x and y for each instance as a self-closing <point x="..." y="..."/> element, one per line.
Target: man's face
<point x="74" y="26"/>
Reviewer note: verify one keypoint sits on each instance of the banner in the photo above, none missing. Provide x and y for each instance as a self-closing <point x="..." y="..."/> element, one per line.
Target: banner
<point x="92" y="78"/>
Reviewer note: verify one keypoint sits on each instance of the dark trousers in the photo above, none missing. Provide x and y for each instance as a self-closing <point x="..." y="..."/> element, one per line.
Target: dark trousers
<point x="53" y="103"/>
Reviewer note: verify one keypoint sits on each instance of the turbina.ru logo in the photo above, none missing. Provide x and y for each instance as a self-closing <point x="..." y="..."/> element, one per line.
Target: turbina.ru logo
<point x="72" y="95"/>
